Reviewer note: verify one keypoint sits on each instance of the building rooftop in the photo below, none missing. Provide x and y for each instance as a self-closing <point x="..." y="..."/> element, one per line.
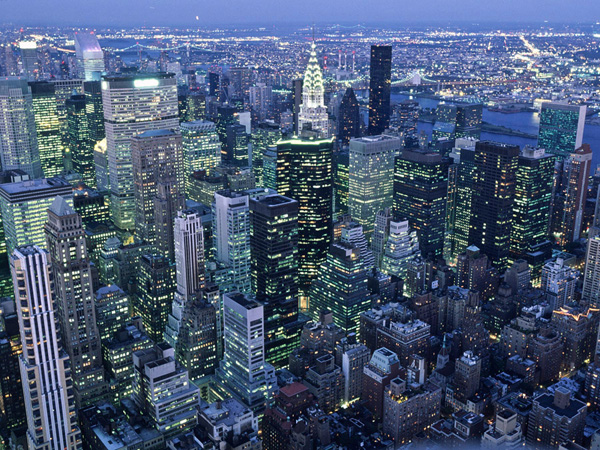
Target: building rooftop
<point x="61" y="208"/>
<point x="547" y="401"/>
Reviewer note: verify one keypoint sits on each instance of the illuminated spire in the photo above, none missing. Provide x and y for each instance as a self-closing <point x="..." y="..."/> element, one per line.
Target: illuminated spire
<point x="312" y="109"/>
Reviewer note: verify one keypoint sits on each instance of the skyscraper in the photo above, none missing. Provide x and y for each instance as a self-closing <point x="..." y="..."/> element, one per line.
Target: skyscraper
<point x="381" y="232"/>
<point x="264" y="136"/>
<point x="570" y="194"/>
<point x="48" y="399"/>
<point x="133" y="104"/>
<point x="18" y="137"/>
<point x="304" y="173"/>
<point x="561" y="128"/>
<point x="341" y="287"/>
<point x="371" y="178"/>
<point x="313" y="112"/>
<point x="493" y="199"/>
<point x="274" y="256"/>
<point x="341" y="163"/>
<point x="95" y="119"/>
<point x="231" y="228"/>
<point x="243" y="371"/>
<point x="90" y="57"/>
<point x="420" y="190"/>
<point x="29" y="59"/>
<point x="380" y="88"/>
<point x="237" y="148"/>
<point x="201" y="147"/>
<point x="47" y="127"/>
<point x="72" y="277"/>
<point x="401" y="247"/>
<point x="349" y="118"/>
<point x="591" y="280"/>
<point x="79" y="143"/>
<point x="531" y="209"/>
<point x="157" y="165"/>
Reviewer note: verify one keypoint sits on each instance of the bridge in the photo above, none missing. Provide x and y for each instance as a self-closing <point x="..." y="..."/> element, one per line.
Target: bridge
<point x="417" y="78"/>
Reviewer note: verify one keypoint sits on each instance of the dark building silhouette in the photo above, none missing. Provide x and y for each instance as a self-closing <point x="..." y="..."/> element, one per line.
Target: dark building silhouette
<point x="380" y="88"/>
<point x="349" y="120"/>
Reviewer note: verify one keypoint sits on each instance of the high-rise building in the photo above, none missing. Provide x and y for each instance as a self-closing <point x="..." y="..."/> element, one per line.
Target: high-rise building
<point x="24" y="204"/>
<point x="133" y="104"/>
<point x="157" y="177"/>
<point x="401" y="247"/>
<point x="237" y="145"/>
<point x="570" y="195"/>
<point x="492" y="202"/>
<point x="381" y="232"/>
<point x="201" y="146"/>
<point x="561" y="128"/>
<point x="154" y="295"/>
<point x="243" y="371"/>
<point x="29" y="59"/>
<point x="380" y="88"/>
<point x="73" y="285"/>
<point x="112" y="311"/>
<point x="558" y="282"/>
<point x="531" y="209"/>
<point x="341" y="163"/>
<point x="304" y="173"/>
<point x="274" y="256"/>
<point x="313" y="112"/>
<point x="371" y="178"/>
<point x="264" y="136"/>
<point x="420" y="190"/>
<point x="349" y="118"/>
<point x="591" y="279"/>
<point x="79" y="143"/>
<point x="90" y="57"/>
<point x="94" y="111"/>
<point x="163" y="392"/>
<point x="457" y="121"/>
<point x="383" y="367"/>
<point x="18" y="137"/>
<point x="231" y="231"/>
<point x="48" y="399"/>
<point x="341" y="287"/>
<point x="47" y="127"/>
<point x="467" y="376"/>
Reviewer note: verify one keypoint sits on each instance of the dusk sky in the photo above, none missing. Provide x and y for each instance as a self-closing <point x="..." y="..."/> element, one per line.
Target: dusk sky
<point x="184" y="12"/>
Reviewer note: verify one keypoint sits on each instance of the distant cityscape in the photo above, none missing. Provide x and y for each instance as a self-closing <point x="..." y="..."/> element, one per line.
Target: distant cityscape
<point x="300" y="237"/>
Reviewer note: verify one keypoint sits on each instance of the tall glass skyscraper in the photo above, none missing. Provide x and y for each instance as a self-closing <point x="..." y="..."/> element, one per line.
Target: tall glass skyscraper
<point x="18" y="137"/>
<point x="380" y="88"/>
<point x="493" y="198"/>
<point x="201" y="147"/>
<point x="90" y="57"/>
<point x="420" y="190"/>
<point x="45" y="368"/>
<point x="133" y="104"/>
<point x="371" y="178"/>
<point x="47" y="127"/>
<point x="78" y="139"/>
<point x="349" y="118"/>
<point x="561" y="128"/>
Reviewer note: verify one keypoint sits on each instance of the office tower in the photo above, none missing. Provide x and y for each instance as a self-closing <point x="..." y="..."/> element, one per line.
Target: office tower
<point x="201" y="147"/>
<point x="152" y="100"/>
<point x="237" y="145"/>
<point x="405" y="118"/>
<point x="468" y="120"/>
<point x="18" y="137"/>
<point x="154" y="295"/>
<point x="420" y="190"/>
<point x="401" y="247"/>
<point x="467" y="376"/>
<point x="313" y="112"/>
<point x="296" y="102"/>
<point x="341" y="287"/>
<point x="341" y="181"/>
<point x="380" y="88"/>
<point x="381" y="232"/>
<point x="79" y="143"/>
<point x="264" y="136"/>
<point x="48" y="399"/>
<point x="408" y="409"/>
<point x="383" y="367"/>
<point x="239" y="81"/>
<point x="325" y="382"/>
<point x="29" y="59"/>
<point x="243" y="371"/>
<point x="558" y="282"/>
<point x="189" y="268"/>
<point x="23" y="205"/>
<point x="163" y="392"/>
<point x="304" y="173"/>
<point x="12" y="405"/>
<point x="112" y="311"/>
<point x="72" y="276"/>
<point x="90" y="57"/>
<point x="352" y="233"/>
<point x="47" y="127"/>
<point x="578" y="327"/>
<point x="561" y="128"/>
<point x="95" y="120"/>
<point x="493" y="200"/>
<point x="445" y="122"/>
<point x="214" y="87"/>
<point x="261" y="101"/>
<point x="349" y="120"/>
<point x="591" y="279"/>
<point x="231" y="234"/>
<point x="101" y="166"/>
<point x="158" y="186"/>
<point x="555" y="419"/>
<point x="274" y="256"/>
<point x="226" y="115"/>
<point x="371" y="175"/>
<point x="531" y="208"/>
<point x="571" y="195"/>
